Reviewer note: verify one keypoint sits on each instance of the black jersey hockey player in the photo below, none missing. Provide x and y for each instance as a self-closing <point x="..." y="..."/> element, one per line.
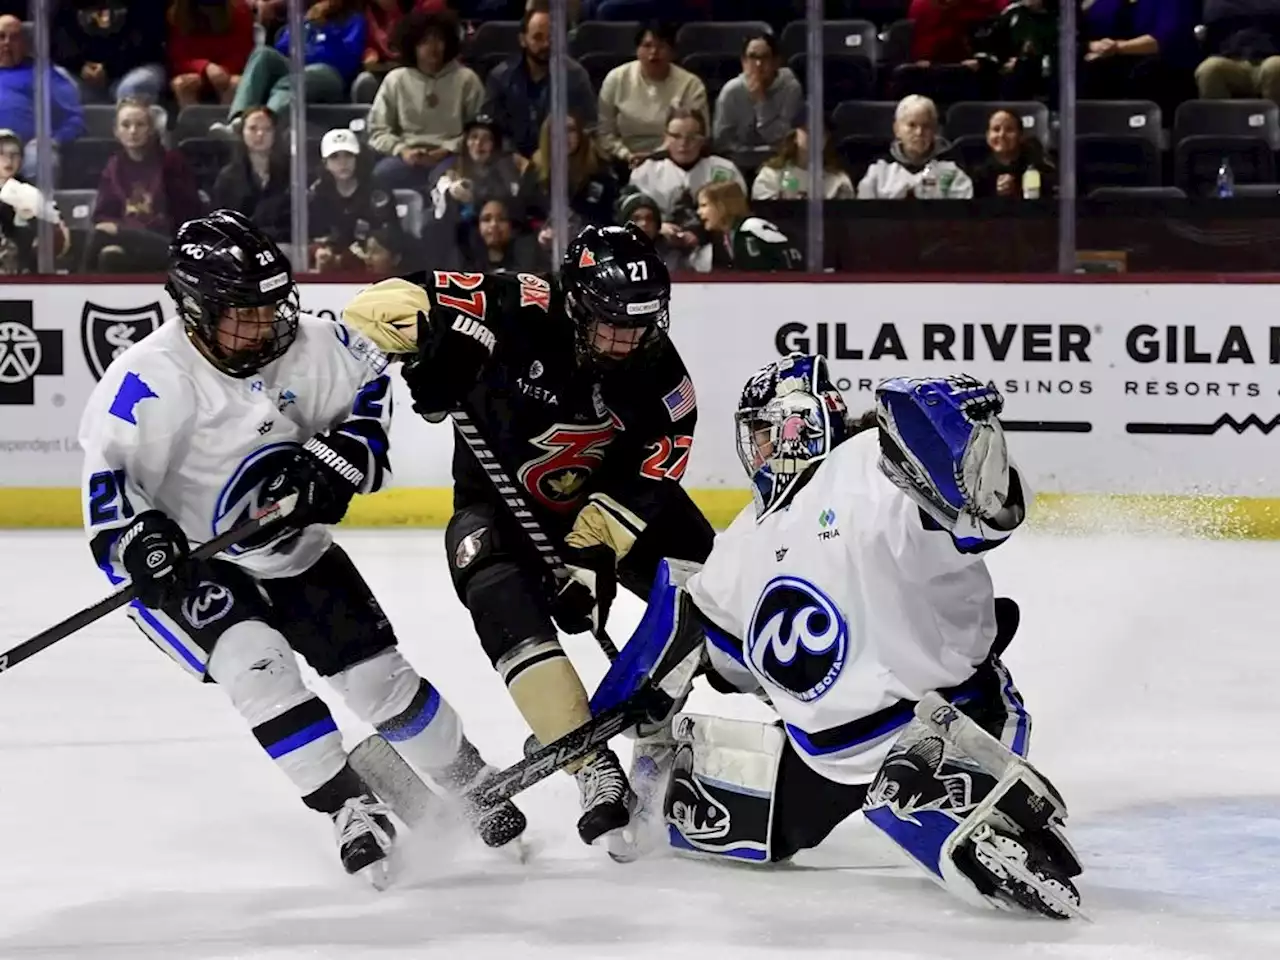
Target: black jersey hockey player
<point x="586" y="403"/>
<point x="234" y="403"/>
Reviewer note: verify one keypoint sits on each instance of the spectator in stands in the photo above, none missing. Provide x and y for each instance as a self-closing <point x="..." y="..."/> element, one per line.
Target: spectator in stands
<point x="423" y="106"/>
<point x="1243" y="37"/>
<point x="737" y="240"/>
<point x="271" y="14"/>
<point x="482" y="170"/>
<point x="642" y="210"/>
<point x="344" y="209"/>
<point x="333" y="45"/>
<point x="1020" y="50"/>
<point x="593" y="188"/>
<point x="493" y="246"/>
<point x="785" y="175"/>
<point x="913" y="167"/>
<point x="518" y="90"/>
<point x="18" y="96"/>
<point x="759" y="107"/>
<point x="256" y="181"/>
<point x="113" y="49"/>
<point x="144" y="194"/>
<point x="1012" y="155"/>
<point x="19" y="210"/>
<point x="209" y="45"/>
<point x="387" y="252"/>
<point x="381" y="55"/>
<point x="674" y="175"/>
<point x="944" y="29"/>
<point x="637" y="97"/>
<point x="1139" y="49"/>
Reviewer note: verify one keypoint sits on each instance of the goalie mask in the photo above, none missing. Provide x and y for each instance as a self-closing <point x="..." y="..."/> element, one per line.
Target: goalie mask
<point x="789" y="418"/>
<point x="235" y="292"/>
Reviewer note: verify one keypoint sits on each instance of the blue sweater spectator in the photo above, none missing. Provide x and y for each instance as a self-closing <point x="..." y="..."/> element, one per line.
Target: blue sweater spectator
<point x="1139" y="49"/>
<point x="1164" y="28"/>
<point x="334" y="48"/>
<point x="518" y="91"/>
<point x="18" y="95"/>
<point x="340" y="44"/>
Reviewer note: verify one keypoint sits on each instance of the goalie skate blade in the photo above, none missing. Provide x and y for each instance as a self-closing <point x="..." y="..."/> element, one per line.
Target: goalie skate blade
<point x="1045" y="892"/>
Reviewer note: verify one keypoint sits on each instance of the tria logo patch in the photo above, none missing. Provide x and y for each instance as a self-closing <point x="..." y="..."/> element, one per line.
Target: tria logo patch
<point x="588" y="259"/>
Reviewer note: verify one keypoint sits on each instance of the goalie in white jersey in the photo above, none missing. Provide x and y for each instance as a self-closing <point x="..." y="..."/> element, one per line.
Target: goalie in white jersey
<point x="853" y="597"/>
<point x="236" y="403"/>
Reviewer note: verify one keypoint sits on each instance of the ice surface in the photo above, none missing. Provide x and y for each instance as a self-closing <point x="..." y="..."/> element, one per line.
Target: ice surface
<point x="141" y="821"/>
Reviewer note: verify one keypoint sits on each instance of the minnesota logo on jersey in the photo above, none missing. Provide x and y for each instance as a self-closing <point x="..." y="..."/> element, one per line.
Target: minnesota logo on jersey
<point x="798" y="639"/>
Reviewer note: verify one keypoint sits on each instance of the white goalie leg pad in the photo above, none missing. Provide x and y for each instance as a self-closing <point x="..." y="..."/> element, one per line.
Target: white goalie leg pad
<point x="724" y="775"/>
<point x="408" y="711"/>
<point x="946" y="783"/>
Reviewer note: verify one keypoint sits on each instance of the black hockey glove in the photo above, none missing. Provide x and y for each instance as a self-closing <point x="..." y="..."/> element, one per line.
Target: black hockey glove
<point x="452" y="353"/>
<point x="325" y="476"/>
<point x="586" y="595"/>
<point x="154" y="551"/>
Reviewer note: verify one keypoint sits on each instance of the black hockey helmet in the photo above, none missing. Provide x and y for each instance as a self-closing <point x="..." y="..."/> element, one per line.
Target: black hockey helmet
<point x="220" y="263"/>
<point x="613" y="276"/>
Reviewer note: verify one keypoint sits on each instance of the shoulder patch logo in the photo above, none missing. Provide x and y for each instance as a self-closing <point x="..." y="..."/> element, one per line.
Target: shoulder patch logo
<point x="133" y="390"/>
<point x="588" y="259"/>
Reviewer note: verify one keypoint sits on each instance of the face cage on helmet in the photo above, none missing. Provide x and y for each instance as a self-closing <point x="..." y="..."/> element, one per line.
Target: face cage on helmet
<point x="794" y="428"/>
<point x="245" y="362"/>
<point x="585" y="323"/>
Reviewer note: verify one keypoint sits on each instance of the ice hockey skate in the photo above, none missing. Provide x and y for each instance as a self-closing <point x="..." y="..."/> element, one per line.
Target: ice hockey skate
<point x="365" y="839"/>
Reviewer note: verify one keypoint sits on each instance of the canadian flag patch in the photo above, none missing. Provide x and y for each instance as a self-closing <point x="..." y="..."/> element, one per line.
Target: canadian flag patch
<point x="587" y="259"/>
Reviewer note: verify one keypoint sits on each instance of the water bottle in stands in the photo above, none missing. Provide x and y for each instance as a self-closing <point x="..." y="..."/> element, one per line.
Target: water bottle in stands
<point x="1226" y="179"/>
<point x="1031" y="183"/>
<point x="790" y="185"/>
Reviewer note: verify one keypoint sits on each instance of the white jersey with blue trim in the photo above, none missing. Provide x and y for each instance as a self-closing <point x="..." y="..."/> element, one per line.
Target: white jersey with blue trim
<point x="166" y="430"/>
<point x="847" y="601"/>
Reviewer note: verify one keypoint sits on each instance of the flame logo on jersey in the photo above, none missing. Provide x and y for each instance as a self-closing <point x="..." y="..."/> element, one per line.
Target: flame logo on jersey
<point x="242" y="498"/>
<point x="798" y="639"/>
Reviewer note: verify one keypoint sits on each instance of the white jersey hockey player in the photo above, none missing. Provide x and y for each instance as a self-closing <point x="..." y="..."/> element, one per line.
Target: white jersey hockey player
<point x="236" y="403"/>
<point x="853" y="597"/>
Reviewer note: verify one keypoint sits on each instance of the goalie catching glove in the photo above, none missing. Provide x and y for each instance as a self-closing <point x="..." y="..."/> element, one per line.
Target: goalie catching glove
<point x="942" y="444"/>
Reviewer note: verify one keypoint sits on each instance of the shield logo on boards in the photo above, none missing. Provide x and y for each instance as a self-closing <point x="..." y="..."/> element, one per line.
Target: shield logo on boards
<point x="107" y="332"/>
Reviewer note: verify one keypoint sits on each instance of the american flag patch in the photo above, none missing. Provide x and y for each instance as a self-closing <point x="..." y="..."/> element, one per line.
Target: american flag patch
<point x="681" y="401"/>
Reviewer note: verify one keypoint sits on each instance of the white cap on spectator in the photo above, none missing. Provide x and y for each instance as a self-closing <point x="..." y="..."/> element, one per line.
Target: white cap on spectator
<point x="341" y="140"/>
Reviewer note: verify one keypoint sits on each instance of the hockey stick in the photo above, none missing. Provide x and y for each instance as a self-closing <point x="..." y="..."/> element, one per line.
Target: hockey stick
<point x="511" y="495"/>
<point x="649" y="703"/>
<point x="574" y="745"/>
<point x="276" y="511"/>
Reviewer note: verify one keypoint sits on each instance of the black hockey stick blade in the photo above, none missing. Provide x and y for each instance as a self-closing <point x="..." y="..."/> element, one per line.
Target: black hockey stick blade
<point x="29" y="648"/>
<point x="573" y="746"/>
